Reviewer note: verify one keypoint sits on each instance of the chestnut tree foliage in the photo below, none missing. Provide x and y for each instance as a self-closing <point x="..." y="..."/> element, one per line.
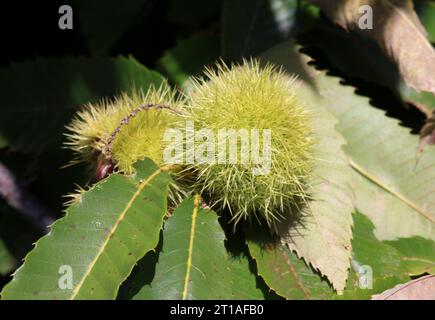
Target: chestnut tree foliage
<point x="363" y="220"/>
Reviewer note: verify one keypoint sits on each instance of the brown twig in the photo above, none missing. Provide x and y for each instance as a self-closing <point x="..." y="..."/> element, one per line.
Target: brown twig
<point x="22" y="200"/>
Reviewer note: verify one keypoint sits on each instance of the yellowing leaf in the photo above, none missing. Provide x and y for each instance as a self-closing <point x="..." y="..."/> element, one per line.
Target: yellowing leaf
<point x="323" y="236"/>
<point x="394" y="190"/>
<point x="390" y="186"/>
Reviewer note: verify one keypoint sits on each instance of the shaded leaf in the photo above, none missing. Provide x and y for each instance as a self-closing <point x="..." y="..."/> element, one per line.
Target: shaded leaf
<point x="7" y="260"/>
<point x="193" y="12"/>
<point x="396" y="28"/>
<point x="17" y="235"/>
<point x="3" y="142"/>
<point x="189" y="57"/>
<point x="360" y="57"/>
<point x="355" y="55"/>
<point x="284" y="273"/>
<point x="424" y="101"/>
<point x="243" y="282"/>
<point x="193" y="262"/>
<point x="252" y="26"/>
<point x="101" y="237"/>
<point x="426" y="12"/>
<point x="104" y="22"/>
<point x="142" y="274"/>
<point x="19" y="198"/>
<point x="419" y="289"/>
<point x="40" y="97"/>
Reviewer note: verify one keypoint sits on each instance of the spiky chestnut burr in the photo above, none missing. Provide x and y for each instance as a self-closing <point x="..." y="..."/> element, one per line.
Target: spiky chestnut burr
<point x="113" y="135"/>
<point x="250" y="96"/>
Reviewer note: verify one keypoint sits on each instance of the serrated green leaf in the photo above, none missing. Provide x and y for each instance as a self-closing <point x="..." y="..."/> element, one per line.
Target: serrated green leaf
<point x="100" y="239"/>
<point x="39" y="97"/>
<point x="375" y="264"/>
<point x="323" y="236"/>
<point x="243" y="282"/>
<point x="193" y="263"/>
<point x="291" y="278"/>
<point x="338" y="96"/>
<point x="390" y="187"/>
<point x="250" y="27"/>
<point x="285" y="273"/>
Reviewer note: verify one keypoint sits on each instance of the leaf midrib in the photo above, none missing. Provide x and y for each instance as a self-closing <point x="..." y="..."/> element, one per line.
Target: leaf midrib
<point x="388" y="189"/>
<point x="121" y="217"/>
<point x="190" y="250"/>
<point x="295" y="275"/>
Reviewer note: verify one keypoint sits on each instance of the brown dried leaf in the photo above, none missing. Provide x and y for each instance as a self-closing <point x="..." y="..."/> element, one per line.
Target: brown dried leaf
<point x="419" y="289"/>
<point x="397" y="30"/>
